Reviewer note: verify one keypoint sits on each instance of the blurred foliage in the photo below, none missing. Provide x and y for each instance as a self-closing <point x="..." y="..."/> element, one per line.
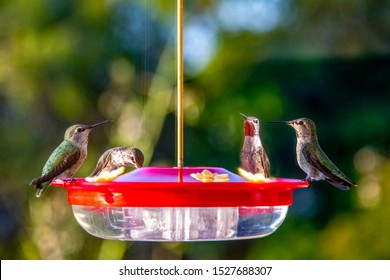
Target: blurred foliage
<point x="66" y="62"/>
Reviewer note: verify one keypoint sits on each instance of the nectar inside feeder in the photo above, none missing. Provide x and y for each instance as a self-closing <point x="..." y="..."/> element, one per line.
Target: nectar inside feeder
<point x="171" y="204"/>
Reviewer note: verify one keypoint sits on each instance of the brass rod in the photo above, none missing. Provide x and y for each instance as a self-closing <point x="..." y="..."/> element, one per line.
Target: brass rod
<point x="180" y="73"/>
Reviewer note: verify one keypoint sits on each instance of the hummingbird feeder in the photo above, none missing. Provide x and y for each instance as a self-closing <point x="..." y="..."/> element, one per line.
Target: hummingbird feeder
<point x="180" y="203"/>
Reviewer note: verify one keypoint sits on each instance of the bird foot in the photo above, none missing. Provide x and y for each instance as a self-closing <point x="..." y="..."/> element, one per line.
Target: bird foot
<point x="68" y="181"/>
<point x="307" y="179"/>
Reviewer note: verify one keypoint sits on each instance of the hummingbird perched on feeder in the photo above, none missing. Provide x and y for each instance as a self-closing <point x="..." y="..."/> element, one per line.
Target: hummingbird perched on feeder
<point x="118" y="157"/>
<point x="67" y="158"/>
<point x="312" y="159"/>
<point x="254" y="159"/>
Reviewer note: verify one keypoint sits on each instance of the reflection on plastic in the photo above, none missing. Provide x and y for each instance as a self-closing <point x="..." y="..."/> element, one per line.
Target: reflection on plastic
<point x="179" y="223"/>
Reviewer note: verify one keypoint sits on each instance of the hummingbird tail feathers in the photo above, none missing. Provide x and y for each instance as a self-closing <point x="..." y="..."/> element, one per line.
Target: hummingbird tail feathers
<point x="341" y="184"/>
<point x="39" y="192"/>
<point x="39" y="186"/>
<point x="36" y="182"/>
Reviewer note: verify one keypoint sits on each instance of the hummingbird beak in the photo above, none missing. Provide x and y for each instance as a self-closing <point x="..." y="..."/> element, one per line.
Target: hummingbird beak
<point x="98" y="124"/>
<point x="281" y="122"/>
<point x="245" y="117"/>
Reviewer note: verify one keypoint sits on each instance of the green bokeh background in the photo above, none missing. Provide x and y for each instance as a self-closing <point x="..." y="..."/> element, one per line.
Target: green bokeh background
<point x="67" y="62"/>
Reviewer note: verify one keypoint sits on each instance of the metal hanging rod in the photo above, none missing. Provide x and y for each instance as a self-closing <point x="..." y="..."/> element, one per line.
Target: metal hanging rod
<point x="180" y="86"/>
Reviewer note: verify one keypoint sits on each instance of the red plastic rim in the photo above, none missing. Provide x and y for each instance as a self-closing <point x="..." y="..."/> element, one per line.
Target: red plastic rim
<point x="174" y="187"/>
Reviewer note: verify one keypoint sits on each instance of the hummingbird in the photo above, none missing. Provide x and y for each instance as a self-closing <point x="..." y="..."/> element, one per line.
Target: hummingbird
<point x="67" y="158"/>
<point x="312" y="159"/>
<point x="254" y="159"/>
<point x="118" y="157"/>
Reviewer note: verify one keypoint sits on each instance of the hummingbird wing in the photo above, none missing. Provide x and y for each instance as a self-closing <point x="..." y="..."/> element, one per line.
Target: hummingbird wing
<point x="265" y="163"/>
<point x="255" y="162"/>
<point x="333" y="175"/>
<point x="63" y="157"/>
<point x="259" y="162"/>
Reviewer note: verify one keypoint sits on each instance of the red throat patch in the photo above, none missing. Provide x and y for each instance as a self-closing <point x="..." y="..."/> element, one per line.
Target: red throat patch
<point x="249" y="129"/>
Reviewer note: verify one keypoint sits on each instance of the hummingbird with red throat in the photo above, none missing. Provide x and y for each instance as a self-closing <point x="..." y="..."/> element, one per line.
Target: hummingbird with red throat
<point x="254" y="158"/>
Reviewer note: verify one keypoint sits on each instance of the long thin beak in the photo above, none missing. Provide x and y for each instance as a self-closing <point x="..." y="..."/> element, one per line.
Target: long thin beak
<point x="281" y="122"/>
<point x="245" y="117"/>
<point x="98" y="124"/>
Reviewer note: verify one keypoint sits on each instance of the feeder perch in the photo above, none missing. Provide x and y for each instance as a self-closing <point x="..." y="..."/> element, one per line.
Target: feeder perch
<point x="168" y="204"/>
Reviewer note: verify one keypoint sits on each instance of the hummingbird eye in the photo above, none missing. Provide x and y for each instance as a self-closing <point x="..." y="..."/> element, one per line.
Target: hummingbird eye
<point x="300" y="122"/>
<point x="80" y="129"/>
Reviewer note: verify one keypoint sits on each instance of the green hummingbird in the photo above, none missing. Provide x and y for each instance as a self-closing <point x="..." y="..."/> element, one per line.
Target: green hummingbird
<point x="312" y="159"/>
<point x="117" y="157"/>
<point x="67" y="158"/>
<point x="253" y="156"/>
